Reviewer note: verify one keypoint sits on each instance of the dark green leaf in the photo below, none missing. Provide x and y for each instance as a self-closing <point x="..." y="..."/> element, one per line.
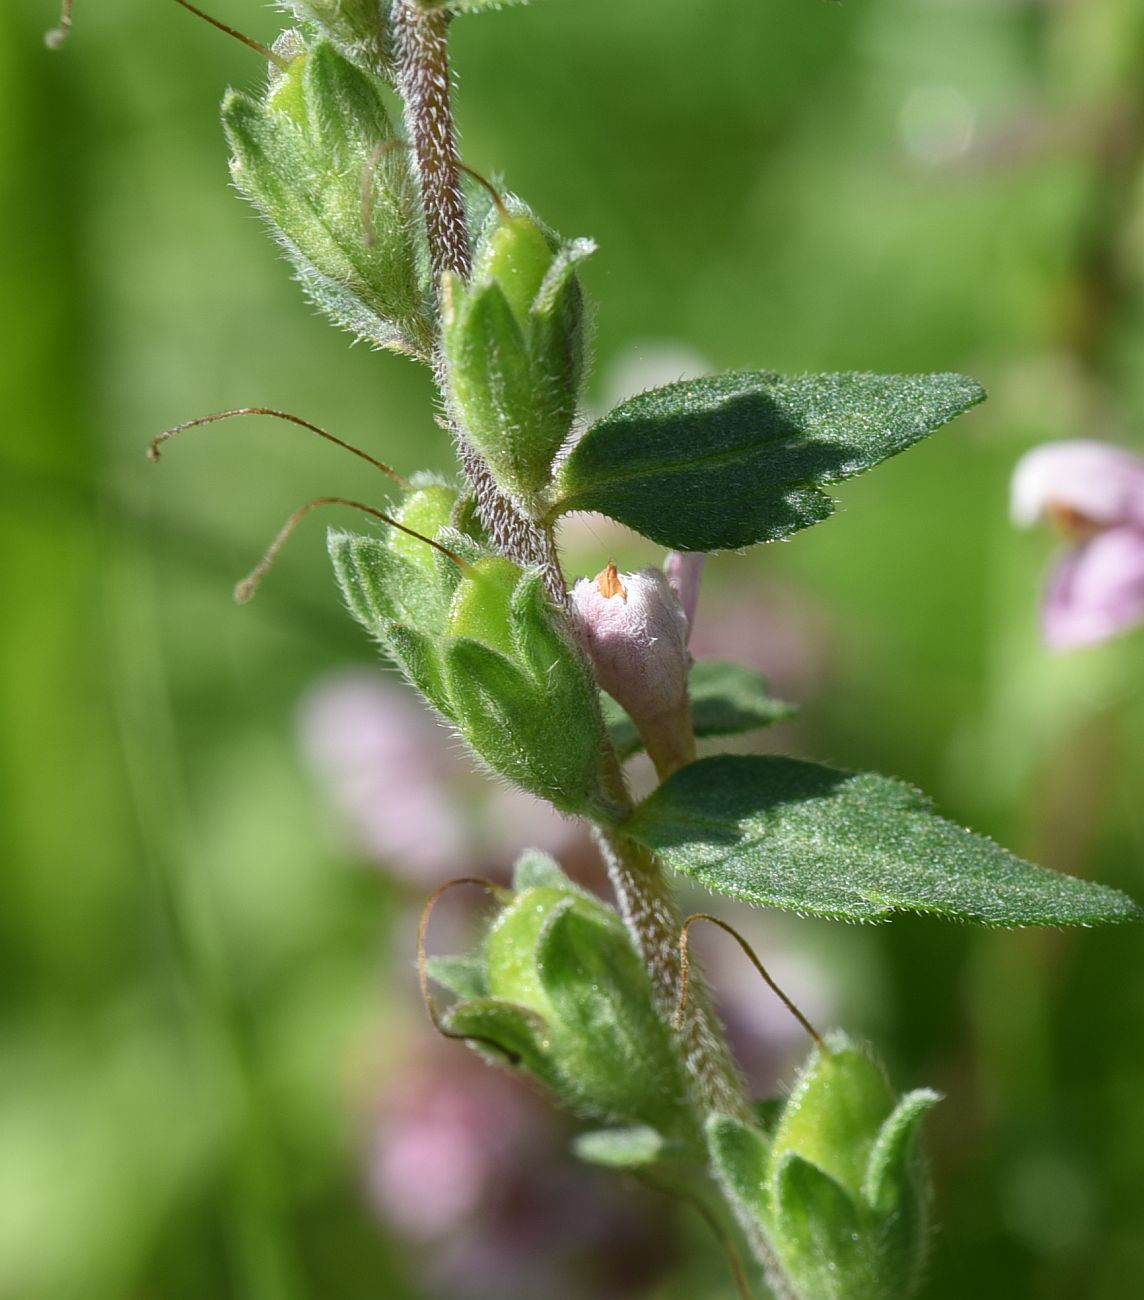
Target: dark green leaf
<point x="726" y="700"/>
<point x="784" y="833"/>
<point x="735" y="459"/>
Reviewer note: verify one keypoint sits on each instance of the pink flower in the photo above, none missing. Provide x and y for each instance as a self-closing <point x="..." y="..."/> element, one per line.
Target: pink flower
<point x="408" y="799"/>
<point x="1094" y="493"/>
<point x="635" y="632"/>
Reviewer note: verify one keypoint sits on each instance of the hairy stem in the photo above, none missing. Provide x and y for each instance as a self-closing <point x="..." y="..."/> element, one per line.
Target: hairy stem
<point x="652" y="917"/>
<point x="424" y="79"/>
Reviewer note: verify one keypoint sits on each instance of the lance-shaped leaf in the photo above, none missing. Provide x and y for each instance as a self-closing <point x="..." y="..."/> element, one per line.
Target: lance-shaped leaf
<point x="726" y="700"/>
<point x="785" y="833"/>
<point x="735" y="459"/>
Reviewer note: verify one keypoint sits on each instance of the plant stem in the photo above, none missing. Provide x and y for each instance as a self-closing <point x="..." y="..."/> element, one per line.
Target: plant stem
<point x="420" y="38"/>
<point x="424" y="81"/>
<point x="652" y="917"/>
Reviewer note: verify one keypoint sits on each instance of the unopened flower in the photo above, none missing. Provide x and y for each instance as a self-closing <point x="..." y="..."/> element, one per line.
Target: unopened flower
<point x="1094" y="493"/>
<point x="635" y="631"/>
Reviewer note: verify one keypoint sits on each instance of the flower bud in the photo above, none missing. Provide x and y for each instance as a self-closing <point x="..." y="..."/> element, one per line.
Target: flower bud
<point x="316" y="155"/>
<point x="514" y="347"/>
<point x="563" y="992"/>
<point x="482" y="642"/>
<point x="635" y="632"/>
<point x="838" y="1193"/>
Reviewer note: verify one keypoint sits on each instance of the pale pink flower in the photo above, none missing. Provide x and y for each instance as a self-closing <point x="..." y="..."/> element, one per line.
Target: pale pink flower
<point x="1094" y="493"/>
<point x="635" y="632"/>
<point x="408" y="798"/>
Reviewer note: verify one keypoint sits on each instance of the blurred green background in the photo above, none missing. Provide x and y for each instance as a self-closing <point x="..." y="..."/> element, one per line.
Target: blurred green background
<point x="197" y="979"/>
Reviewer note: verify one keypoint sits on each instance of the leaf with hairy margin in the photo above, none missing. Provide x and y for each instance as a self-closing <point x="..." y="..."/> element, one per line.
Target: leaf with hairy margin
<point x="781" y="832"/>
<point x="731" y="460"/>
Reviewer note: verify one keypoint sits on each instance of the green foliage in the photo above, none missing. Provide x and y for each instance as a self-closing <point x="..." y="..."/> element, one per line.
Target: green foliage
<point x="565" y="995"/>
<point x="784" y="833"/>
<point x="740" y="458"/>
<point x="514" y="347"/>
<point x="838" y="1191"/>
<point x="488" y="651"/>
<point x="726" y="700"/>
<point x="312" y="156"/>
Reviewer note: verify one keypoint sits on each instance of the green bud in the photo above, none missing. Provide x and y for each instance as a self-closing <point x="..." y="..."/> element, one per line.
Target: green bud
<point x="357" y="27"/>
<point x="514" y="348"/>
<point x="837" y="1193"/>
<point x="522" y="692"/>
<point x="482" y="642"/>
<point x="565" y="994"/>
<point x="310" y="155"/>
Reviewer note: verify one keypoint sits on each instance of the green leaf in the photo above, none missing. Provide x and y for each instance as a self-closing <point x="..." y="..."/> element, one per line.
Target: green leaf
<point x="726" y="700"/>
<point x="736" y="459"/>
<point x="620" y="1148"/>
<point x="784" y="833"/>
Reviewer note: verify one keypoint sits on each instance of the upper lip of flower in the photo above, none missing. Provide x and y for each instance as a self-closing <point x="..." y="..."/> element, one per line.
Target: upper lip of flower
<point x="1083" y="486"/>
<point x="1094" y="494"/>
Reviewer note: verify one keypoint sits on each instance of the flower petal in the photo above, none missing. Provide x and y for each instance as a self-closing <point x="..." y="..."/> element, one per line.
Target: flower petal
<point x="1097" y="590"/>
<point x="1102" y="483"/>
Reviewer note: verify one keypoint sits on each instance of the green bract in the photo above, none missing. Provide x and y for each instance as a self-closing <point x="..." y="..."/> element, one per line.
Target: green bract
<point x="358" y="27"/>
<point x="486" y="648"/>
<point x="514" y="348"/>
<point x="739" y="458"/>
<point x="784" y="833"/>
<point x="562" y="992"/>
<point x="317" y="156"/>
<point x="837" y="1191"/>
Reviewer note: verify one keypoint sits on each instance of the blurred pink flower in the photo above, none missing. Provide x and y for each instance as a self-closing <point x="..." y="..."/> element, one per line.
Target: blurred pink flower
<point x="472" y="1168"/>
<point x="407" y="794"/>
<point x="1094" y="493"/>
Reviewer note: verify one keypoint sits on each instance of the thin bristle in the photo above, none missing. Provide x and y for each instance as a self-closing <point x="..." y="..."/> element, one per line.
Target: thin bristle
<point x="267" y="53"/>
<point x="154" y="455"/>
